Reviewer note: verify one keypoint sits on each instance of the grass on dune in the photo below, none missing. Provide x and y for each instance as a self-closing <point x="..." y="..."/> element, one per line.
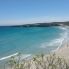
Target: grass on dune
<point x="51" y="61"/>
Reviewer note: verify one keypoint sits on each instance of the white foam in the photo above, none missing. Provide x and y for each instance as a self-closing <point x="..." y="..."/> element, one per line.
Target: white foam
<point x="63" y="28"/>
<point x="58" y="41"/>
<point x="23" y="56"/>
<point x="54" y="42"/>
<point x="8" y="56"/>
<point x="64" y="38"/>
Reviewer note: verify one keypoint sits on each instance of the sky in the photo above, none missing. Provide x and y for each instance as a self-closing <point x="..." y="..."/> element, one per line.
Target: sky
<point x="14" y="12"/>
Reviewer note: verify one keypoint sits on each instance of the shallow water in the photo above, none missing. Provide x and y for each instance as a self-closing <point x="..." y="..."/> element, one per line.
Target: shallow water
<point x="30" y="40"/>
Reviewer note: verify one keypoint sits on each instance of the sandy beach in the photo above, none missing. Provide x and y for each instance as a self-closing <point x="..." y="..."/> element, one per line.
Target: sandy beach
<point x="63" y="52"/>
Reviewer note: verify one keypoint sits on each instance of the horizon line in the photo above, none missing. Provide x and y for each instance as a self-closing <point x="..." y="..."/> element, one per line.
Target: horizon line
<point x="33" y="23"/>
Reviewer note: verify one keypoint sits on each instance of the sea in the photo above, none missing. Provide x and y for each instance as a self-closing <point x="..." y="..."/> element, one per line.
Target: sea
<point x="31" y="40"/>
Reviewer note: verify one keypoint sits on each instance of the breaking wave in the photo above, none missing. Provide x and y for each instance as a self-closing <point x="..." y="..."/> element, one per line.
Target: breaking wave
<point x="58" y="42"/>
<point x="8" y="56"/>
<point x="23" y="56"/>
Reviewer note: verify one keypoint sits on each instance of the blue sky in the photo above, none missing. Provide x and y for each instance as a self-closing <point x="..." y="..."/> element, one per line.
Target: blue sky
<point x="31" y="11"/>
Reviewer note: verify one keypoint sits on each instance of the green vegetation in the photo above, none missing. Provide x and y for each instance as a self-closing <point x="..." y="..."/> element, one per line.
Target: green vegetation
<point x="41" y="61"/>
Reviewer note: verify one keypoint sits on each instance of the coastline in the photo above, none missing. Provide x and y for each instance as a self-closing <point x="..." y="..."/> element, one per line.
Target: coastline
<point x="41" y="61"/>
<point x="63" y="52"/>
<point x="55" y="50"/>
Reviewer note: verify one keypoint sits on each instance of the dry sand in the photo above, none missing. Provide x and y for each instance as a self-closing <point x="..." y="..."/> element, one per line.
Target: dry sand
<point x="63" y="52"/>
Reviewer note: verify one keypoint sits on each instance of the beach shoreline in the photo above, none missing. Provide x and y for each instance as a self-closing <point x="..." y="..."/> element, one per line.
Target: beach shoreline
<point x="63" y="52"/>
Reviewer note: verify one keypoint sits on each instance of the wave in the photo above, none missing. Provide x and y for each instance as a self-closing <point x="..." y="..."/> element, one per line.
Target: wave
<point x="54" y="42"/>
<point x="8" y="56"/>
<point x="63" y="28"/>
<point x="64" y="38"/>
<point x="58" y="42"/>
<point x="23" y="56"/>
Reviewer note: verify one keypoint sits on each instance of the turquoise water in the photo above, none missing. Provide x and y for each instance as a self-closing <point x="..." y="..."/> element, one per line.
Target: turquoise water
<point x="31" y="40"/>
